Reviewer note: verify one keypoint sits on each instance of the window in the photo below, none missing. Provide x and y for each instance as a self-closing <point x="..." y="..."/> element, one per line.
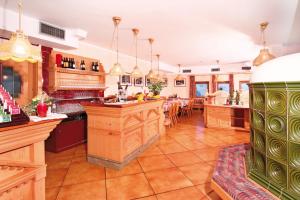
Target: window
<point x="244" y="85"/>
<point x="225" y="86"/>
<point x="201" y="88"/>
<point x="10" y="80"/>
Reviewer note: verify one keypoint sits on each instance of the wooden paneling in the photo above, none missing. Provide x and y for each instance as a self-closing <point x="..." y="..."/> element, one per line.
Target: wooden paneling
<point x="117" y="133"/>
<point x="226" y="116"/>
<point x="22" y="160"/>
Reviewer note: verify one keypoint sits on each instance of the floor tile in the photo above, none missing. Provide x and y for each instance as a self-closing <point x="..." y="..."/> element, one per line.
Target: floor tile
<point x="155" y="162"/>
<point x="172" y="148"/>
<point x="51" y="193"/>
<point x="205" y="188"/>
<point x="148" y="198"/>
<point x="128" y="187"/>
<point x="84" y="191"/>
<point x="209" y="154"/>
<point x="55" y="177"/>
<point x="197" y="173"/>
<point x="167" y="180"/>
<point x="190" y="193"/>
<point x="59" y="163"/>
<point x="183" y="158"/>
<point x="133" y="168"/>
<point x="84" y="172"/>
<point x="152" y="151"/>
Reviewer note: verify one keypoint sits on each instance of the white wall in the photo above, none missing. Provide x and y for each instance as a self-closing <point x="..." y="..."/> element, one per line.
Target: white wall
<point x="108" y="58"/>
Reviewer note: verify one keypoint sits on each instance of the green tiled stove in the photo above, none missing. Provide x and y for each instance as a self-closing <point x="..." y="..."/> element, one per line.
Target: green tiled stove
<point x="273" y="160"/>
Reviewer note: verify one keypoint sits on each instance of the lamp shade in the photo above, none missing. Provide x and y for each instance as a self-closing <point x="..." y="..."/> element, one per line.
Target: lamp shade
<point x="151" y="75"/>
<point x="136" y="72"/>
<point x="116" y="70"/>
<point x="179" y="77"/>
<point x="264" y="56"/>
<point x="19" y="49"/>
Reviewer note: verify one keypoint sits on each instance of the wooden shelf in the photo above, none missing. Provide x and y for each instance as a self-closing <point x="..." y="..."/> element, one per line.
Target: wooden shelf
<point x="78" y="71"/>
<point x="75" y="79"/>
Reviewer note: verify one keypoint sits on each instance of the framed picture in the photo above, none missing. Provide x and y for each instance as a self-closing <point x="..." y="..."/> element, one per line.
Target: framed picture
<point x="165" y="82"/>
<point x="147" y="81"/>
<point x="125" y="80"/>
<point x="138" y="82"/>
<point x="180" y="83"/>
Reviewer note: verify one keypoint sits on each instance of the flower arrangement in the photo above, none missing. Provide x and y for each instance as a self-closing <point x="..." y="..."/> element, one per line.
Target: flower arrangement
<point x="31" y="108"/>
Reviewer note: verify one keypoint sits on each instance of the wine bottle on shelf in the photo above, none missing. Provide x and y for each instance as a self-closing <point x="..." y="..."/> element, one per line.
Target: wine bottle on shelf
<point x="93" y="66"/>
<point x="74" y="65"/>
<point x="83" y="65"/>
<point x="70" y="63"/>
<point x="96" y="66"/>
<point x="62" y="62"/>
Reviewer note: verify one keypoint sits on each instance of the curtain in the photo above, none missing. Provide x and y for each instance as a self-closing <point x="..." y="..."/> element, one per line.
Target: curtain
<point x="192" y="87"/>
<point x="46" y="51"/>
<point x="231" y="83"/>
<point x="214" y="83"/>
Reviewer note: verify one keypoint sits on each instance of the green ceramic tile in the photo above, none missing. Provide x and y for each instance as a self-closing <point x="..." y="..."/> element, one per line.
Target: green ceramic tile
<point x="276" y="101"/>
<point x="276" y="126"/>
<point x="276" y="172"/>
<point x="277" y="149"/>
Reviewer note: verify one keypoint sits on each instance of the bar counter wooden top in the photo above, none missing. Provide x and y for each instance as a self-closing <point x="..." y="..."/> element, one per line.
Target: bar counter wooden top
<point x="226" y="116"/>
<point x="22" y="160"/>
<point x="117" y="132"/>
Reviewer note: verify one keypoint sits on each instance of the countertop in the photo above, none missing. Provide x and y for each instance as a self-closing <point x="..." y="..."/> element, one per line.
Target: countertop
<point x="228" y="106"/>
<point x="120" y="104"/>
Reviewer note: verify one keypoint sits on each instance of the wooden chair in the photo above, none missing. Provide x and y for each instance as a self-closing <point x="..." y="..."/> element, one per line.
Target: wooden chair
<point x="169" y="120"/>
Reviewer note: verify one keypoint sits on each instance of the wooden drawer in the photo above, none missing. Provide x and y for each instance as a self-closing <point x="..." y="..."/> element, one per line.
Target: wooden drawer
<point x="131" y="141"/>
<point x="106" y="123"/>
<point x="151" y="130"/>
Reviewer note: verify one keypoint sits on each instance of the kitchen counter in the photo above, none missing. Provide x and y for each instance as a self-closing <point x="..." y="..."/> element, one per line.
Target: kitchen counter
<point x="226" y="116"/>
<point x="22" y="160"/>
<point x="119" y="132"/>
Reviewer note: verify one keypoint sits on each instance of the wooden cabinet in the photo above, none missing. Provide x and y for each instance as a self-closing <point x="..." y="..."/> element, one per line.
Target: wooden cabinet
<point x="117" y="135"/>
<point x="22" y="160"/>
<point x="219" y="116"/>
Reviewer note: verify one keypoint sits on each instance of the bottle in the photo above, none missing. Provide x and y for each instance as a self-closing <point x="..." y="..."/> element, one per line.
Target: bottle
<point x="83" y="65"/>
<point x="96" y="66"/>
<point x="62" y="62"/>
<point x="93" y="66"/>
<point x="74" y="65"/>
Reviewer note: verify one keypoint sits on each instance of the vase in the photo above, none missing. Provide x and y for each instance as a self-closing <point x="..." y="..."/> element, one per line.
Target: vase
<point x="42" y="109"/>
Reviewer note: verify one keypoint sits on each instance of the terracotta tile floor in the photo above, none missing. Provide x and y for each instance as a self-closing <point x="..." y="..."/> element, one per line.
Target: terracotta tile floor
<point x="177" y="167"/>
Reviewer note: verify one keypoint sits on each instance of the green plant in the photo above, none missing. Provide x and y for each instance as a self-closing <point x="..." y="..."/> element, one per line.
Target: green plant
<point x="237" y="97"/>
<point x="156" y="87"/>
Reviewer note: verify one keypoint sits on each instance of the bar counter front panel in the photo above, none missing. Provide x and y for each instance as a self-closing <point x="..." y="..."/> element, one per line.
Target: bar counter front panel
<point x="118" y="133"/>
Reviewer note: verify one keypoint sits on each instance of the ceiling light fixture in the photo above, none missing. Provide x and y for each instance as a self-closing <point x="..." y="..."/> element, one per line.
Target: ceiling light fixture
<point x="264" y="54"/>
<point x="151" y="75"/>
<point x="179" y="77"/>
<point x="117" y="69"/>
<point x="158" y="75"/>
<point x="18" y="48"/>
<point x="136" y="72"/>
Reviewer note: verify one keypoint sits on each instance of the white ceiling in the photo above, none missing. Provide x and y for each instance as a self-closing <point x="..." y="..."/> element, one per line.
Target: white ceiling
<point x="190" y="32"/>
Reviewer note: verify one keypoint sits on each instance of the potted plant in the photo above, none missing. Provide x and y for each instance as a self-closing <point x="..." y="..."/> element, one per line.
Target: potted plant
<point x="155" y="88"/>
<point x="231" y="97"/>
<point x="40" y="104"/>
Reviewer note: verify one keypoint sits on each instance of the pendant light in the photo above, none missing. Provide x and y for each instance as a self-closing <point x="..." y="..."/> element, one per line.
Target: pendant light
<point x="179" y="77"/>
<point x="136" y="72"/>
<point x="158" y="75"/>
<point x="117" y="69"/>
<point x="151" y="75"/>
<point x="264" y="54"/>
<point x="18" y="48"/>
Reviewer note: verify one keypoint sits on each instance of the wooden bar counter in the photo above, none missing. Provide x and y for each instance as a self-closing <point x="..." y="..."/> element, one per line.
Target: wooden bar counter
<point x="226" y="116"/>
<point x="118" y="132"/>
<point x="22" y="160"/>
